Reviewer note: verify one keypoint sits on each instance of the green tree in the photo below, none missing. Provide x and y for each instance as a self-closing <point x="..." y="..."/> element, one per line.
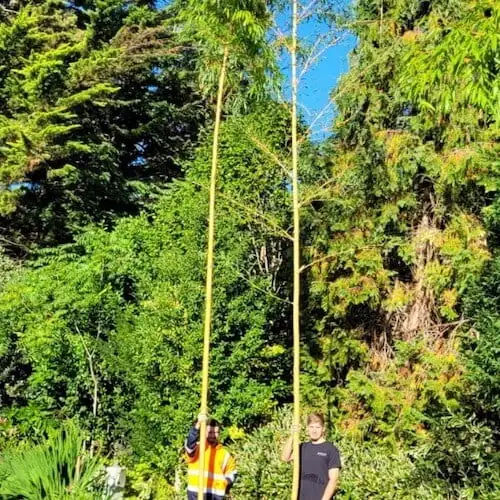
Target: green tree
<point x="132" y="298"/>
<point x="241" y="27"/>
<point x="93" y="119"/>
<point x="398" y="230"/>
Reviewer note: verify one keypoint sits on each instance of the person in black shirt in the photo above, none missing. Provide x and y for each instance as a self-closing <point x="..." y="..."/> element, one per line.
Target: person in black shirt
<point x="319" y="462"/>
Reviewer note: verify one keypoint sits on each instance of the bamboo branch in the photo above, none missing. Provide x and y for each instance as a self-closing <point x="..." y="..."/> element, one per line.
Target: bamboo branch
<point x="336" y="254"/>
<point x="306" y="11"/>
<point x="312" y="197"/>
<point x="313" y="56"/>
<point x="317" y="261"/>
<point x="269" y="223"/>
<point x="317" y="53"/>
<point x="318" y="117"/>
<point x="95" y="380"/>
<point x="256" y="250"/>
<point x="90" y="357"/>
<point x="270" y="153"/>
<point x="273" y="295"/>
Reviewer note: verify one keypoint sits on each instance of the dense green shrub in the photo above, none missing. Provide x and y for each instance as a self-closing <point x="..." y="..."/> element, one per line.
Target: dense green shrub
<point x="108" y="330"/>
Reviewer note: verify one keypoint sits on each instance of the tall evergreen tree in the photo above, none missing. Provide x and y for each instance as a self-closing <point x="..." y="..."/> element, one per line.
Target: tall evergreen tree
<point x="403" y="213"/>
<point x="98" y="107"/>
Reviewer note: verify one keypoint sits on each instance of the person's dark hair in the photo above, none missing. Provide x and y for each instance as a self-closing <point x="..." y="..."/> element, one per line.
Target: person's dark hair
<point x="210" y="422"/>
<point x="316" y="416"/>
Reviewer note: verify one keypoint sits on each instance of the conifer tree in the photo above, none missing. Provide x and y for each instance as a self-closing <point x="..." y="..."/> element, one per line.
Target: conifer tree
<point x="91" y="117"/>
<point x="403" y="231"/>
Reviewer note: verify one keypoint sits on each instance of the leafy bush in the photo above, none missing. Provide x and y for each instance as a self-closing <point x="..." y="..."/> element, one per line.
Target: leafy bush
<point x="461" y="458"/>
<point x="463" y="451"/>
<point x="369" y="471"/>
<point x="373" y="470"/>
<point x="58" y="469"/>
<point x="261" y="472"/>
<point x="147" y="483"/>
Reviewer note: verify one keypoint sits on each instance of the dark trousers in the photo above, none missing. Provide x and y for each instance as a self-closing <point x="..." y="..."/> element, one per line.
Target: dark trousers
<point x="208" y="496"/>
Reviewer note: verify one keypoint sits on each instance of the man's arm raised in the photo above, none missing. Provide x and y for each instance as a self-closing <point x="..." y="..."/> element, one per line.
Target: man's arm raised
<point x="287" y="451"/>
<point x="191" y="443"/>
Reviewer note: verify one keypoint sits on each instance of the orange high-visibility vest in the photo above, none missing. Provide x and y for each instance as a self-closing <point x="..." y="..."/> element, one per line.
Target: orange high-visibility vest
<point x="220" y="467"/>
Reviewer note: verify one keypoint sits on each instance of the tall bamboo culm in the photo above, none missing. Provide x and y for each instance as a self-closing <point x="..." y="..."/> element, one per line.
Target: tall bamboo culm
<point x="296" y="261"/>
<point x="210" y="273"/>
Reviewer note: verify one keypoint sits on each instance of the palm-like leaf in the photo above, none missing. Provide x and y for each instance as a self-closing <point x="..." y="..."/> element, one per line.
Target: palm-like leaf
<point x="54" y="469"/>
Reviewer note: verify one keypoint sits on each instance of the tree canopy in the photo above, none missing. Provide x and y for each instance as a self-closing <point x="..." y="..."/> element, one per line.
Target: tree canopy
<point x="106" y="128"/>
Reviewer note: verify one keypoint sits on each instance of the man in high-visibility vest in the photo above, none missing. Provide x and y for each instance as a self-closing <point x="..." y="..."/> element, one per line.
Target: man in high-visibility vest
<point x="220" y="467"/>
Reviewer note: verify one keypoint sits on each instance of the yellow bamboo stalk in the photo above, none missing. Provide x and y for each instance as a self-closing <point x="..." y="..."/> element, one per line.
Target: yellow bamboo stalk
<point x="210" y="273"/>
<point x="296" y="262"/>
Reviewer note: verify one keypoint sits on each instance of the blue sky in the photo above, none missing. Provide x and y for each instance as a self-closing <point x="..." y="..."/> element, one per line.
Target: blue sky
<point x="322" y="78"/>
<point x="319" y="81"/>
<point x="317" y="86"/>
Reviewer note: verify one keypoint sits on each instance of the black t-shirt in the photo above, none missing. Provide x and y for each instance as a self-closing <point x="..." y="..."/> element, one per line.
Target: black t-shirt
<point x="315" y="462"/>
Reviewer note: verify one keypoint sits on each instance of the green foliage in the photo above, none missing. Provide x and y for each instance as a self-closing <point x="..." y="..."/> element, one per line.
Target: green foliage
<point x="242" y="27"/>
<point x="481" y="348"/>
<point x="375" y="471"/>
<point x="7" y="268"/>
<point x="407" y="224"/>
<point x="126" y="305"/>
<point x="145" y="482"/>
<point x="261" y="473"/>
<point x="395" y="404"/>
<point x="96" y="102"/>
<point x="406" y="191"/>
<point x="462" y="456"/>
<point x="461" y="68"/>
<point x="100" y="106"/>
<point x="464" y="447"/>
<point x="369" y="470"/>
<point x="58" y="468"/>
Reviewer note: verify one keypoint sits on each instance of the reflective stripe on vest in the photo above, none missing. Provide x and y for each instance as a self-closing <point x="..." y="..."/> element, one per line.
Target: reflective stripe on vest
<point x="216" y="474"/>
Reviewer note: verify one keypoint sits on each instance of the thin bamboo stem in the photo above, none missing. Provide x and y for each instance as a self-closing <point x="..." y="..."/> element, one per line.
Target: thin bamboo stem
<point x="209" y="281"/>
<point x="296" y="261"/>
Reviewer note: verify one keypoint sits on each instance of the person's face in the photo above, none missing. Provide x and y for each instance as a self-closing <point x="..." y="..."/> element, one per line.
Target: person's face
<point x="212" y="435"/>
<point x="315" y="431"/>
